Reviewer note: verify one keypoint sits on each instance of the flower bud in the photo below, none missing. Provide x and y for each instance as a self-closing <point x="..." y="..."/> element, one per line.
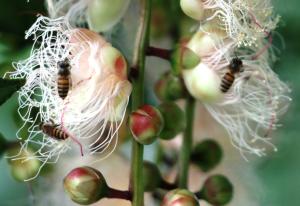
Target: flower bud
<point x="180" y="197"/>
<point x="203" y="83"/>
<point x="85" y="185"/>
<point x="3" y="144"/>
<point x="174" y="119"/>
<point x="146" y="124"/>
<point x="193" y="8"/>
<point x="102" y="15"/>
<point x="170" y="88"/>
<point x="24" y="166"/>
<point x="184" y="58"/>
<point x="152" y="176"/>
<point x="217" y="190"/>
<point x="207" y="155"/>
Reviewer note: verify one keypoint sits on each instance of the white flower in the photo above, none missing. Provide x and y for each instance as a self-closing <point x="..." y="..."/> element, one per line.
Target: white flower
<point x="95" y="106"/>
<point x="250" y="110"/>
<point x="245" y="21"/>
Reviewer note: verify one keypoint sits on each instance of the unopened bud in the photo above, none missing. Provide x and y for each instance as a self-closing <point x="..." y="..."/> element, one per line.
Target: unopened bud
<point x="180" y="197"/>
<point x="217" y="190"/>
<point x="22" y="164"/>
<point x="170" y="87"/>
<point x="203" y="83"/>
<point x="145" y="124"/>
<point x="207" y="155"/>
<point x="174" y="119"/>
<point x="193" y="8"/>
<point x="85" y="185"/>
<point x="102" y="15"/>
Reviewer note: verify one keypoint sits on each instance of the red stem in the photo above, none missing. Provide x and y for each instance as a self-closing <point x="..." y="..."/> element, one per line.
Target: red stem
<point x="159" y="52"/>
<point x="119" y="194"/>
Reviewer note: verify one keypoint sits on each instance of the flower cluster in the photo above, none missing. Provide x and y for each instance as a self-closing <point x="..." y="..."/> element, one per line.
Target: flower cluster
<point x="95" y="106"/>
<point x="249" y="110"/>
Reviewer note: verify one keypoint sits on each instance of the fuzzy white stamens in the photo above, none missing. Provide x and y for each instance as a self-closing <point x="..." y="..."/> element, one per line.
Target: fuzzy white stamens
<point x="95" y="106"/>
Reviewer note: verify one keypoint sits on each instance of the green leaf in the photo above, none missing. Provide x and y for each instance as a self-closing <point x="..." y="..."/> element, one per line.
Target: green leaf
<point x="8" y="87"/>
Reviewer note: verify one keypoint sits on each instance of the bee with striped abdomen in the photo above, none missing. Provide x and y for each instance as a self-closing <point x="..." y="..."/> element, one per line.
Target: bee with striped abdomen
<point x="63" y="78"/>
<point x="234" y="67"/>
<point x="53" y="131"/>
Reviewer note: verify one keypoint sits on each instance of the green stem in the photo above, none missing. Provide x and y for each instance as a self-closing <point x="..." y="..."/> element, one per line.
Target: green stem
<point x="142" y="43"/>
<point x="185" y="153"/>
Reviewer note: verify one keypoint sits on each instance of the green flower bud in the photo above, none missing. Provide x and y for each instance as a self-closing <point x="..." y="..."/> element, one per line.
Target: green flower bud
<point x="174" y="120"/>
<point x="184" y="58"/>
<point x="170" y="88"/>
<point x="85" y="185"/>
<point x="3" y="144"/>
<point x="193" y="8"/>
<point x="102" y="15"/>
<point x="217" y="190"/>
<point x="207" y="155"/>
<point x="25" y="166"/>
<point x="180" y="197"/>
<point x="152" y="176"/>
<point x="146" y="124"/>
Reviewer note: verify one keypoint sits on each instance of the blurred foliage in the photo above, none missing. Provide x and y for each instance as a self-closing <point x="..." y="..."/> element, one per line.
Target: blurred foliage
<point x="279" y="172"/>
<point x="8" y="87"/>
<point x="16" y="16"/>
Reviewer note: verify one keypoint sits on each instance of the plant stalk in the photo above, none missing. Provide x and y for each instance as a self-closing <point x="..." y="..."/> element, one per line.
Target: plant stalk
<point x="138" y="67"/>
<point x="187" y="141"/>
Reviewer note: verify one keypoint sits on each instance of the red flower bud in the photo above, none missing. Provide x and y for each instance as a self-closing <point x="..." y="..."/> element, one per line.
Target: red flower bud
<point x="146" y="124"/>
<point x="180" y="197"/>
<point x="85" y="185"/>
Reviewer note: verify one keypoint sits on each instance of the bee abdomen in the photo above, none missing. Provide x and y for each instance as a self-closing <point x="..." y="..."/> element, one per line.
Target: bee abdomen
<point x="227" y="82"/>
<point x="59" y="134"/>
<point x="54" y="132"/>
<point x="63" y="86"/>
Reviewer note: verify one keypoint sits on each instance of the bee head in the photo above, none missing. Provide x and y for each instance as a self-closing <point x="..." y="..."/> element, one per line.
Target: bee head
<point x="64" y="67"/>
<point x="236" y="65"/>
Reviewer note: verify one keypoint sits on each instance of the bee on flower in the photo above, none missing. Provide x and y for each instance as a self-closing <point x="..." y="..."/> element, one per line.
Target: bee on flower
<point x="92" y="110"/>
<point x="234" y="79"/>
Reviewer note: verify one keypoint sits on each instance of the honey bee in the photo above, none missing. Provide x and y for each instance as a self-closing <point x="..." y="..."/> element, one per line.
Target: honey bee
<point x="234" y="67"/>
<point x="63" y="78"/>
<point x="53" y="131"/>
